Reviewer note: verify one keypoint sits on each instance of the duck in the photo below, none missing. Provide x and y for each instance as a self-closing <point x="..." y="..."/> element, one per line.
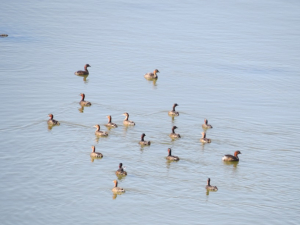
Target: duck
<point x="82" y="102"/>
<point x="204" y="139"/>
<point x="83" y="72"/>
<point x="51" y="121"/>
<point x="173" y="112"/>
<point x="232" y="158"/>
<point x="110" y="124"/>
<point x="209" y="187"/>
<point x="142" y="142"/>
<point x="206" y="125"/>
<point x="126" y="121"/>
<point x="3" y="35"/>
<point x="121" y="171"/>
<point x="99" y="132"/>
<point x="95" y="154"/>
<point x="152" y="75"/>
<point x="173" y="134"/>
<point x="171" y="157"/>
<point x="117" y="189"/>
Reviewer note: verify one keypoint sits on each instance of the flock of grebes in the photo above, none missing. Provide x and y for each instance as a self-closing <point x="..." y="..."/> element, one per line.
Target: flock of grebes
<point x="121" y="172"/>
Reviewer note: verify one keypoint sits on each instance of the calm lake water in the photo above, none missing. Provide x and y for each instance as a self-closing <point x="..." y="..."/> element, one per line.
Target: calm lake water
<point x="235" y="63"/>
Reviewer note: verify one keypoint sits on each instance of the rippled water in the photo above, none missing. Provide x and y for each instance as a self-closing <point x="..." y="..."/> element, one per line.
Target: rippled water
<point x="235" y="63"/>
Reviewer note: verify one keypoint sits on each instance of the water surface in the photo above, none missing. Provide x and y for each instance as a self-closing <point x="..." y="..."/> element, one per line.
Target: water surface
<point x="235" y="63"/>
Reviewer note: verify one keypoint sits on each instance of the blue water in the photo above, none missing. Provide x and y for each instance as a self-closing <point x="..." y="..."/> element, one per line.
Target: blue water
<point x="235" y="63"/>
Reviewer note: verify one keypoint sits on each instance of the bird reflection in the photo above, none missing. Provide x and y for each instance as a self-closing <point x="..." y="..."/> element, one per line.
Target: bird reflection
<point x="173" y="140"/>
<point x="143" y="146"/>
<point x="153" y="81"/>
<point x="109" y="128"/>
<point x="168" y="163"/>
<point x="234" y="164"/>
<point x="81" y="109"/>
<point x="120" y="177"/>
<point x="93" y="159"/>
<point x="51" y="126"/>
<point x="116" y="195"/>
<point x="84" y="78"/>
<point x="125" y="128"/>
<point x="142" y="149"/>
<point x="173" y="119"/>
<point x="97" y="139"/>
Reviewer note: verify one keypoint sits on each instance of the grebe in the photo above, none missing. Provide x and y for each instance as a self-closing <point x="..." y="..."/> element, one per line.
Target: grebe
<point x="95" y="154"/>
<point x="171" y="157"/>
<point x="110" y="124"/>
<point x="152" y="75"/>
<point x="173" y="134"/>
<point x="117" y="189"/>
<point x="204" y="139"/>
<point x="51" y="121"/>
<point x="121" y="171"/>
<point x="232" y="158"/>
<point x="142" y="142"/>
<point x="82" y="102"/>
<point x="173" y="112"/>
<point x="209" y="187"/>
<point x="83" y="72"/>
<point x="126" y="121"/>
<point x="205" y="125"/>
<point x="99" y="132"/>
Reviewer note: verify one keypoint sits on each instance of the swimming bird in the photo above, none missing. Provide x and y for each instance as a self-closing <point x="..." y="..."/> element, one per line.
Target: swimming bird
<point x="152" y="75"/>
<point x="171" y="157"/>
<point x="51" y="121"/>
<point x="117" y="189"/>
<point x="99" y="132"/>
<point x="206" y="125"/>
<point x="110" y="124"/>
<point x="209" y="187"/>
<point x="83" y="102"/>
<point x="232" y="158"/>
<point x="173" y="134"/>
<point x="95" y="154"/>
<point x="204" y="139"/>
<point x="121" y="171"/>
<point x="142" y="142"/>
<point x="126" y="121"/>
<point x="83" y="72"/>
<point x="173" y="112"/>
